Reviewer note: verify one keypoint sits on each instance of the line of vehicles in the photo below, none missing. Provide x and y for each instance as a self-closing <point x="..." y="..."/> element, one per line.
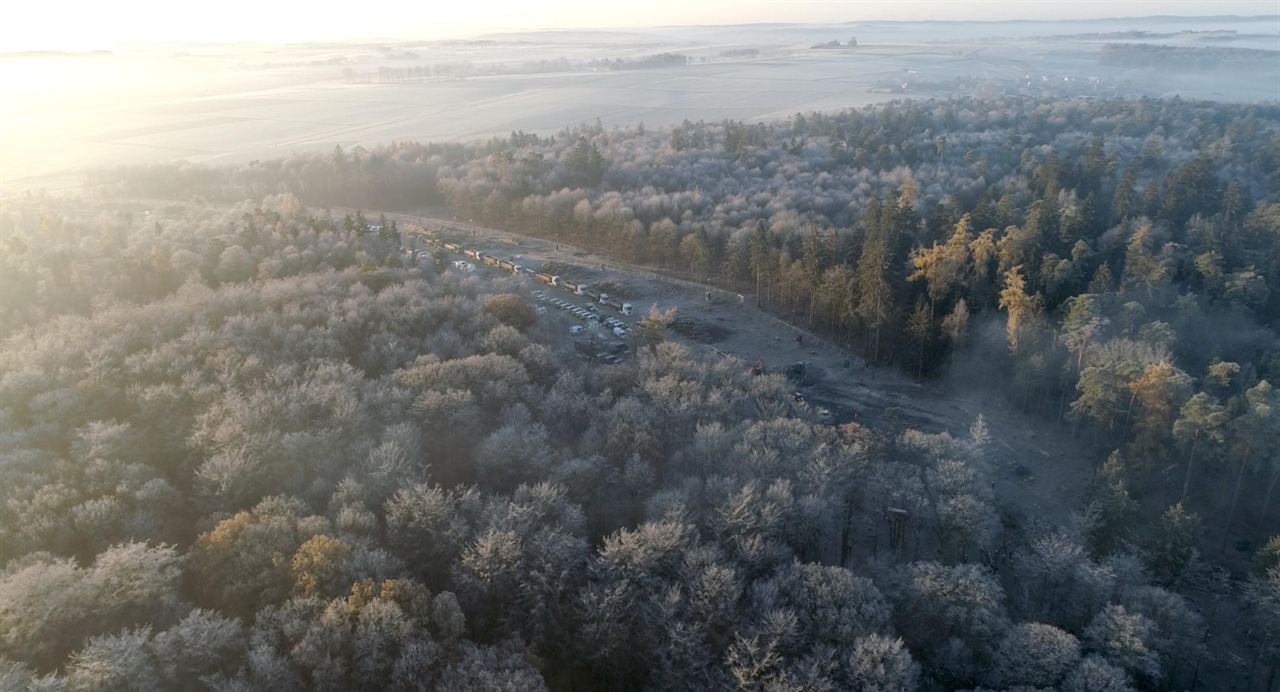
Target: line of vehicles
<point x="595" y="322"/>
<point x="574" y="287"/>
<point x="590" y="314"/>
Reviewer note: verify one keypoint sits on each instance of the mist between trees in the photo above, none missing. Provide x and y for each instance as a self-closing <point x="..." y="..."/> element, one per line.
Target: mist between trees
<point x="332" y="470"/>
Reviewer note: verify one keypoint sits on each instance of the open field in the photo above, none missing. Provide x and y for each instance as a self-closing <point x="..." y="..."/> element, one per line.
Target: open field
<point x="218" y="103"/>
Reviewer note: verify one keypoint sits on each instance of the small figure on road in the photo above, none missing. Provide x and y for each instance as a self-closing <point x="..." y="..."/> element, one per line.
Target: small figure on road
<point x="799" y="339"/>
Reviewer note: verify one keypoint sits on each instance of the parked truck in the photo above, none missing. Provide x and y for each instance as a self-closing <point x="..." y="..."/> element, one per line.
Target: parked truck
<point x="574" y="287"/>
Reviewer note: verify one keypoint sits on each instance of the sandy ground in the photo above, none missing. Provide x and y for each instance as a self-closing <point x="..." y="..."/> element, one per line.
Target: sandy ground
<point x="1038" y="471"/>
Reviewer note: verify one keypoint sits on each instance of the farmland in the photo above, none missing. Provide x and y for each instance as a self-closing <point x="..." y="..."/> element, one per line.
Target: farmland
<point x="237" y="103"/>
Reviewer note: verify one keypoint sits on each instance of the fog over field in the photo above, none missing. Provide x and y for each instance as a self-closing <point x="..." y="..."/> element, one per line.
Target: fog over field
<point x="235" y="103"/>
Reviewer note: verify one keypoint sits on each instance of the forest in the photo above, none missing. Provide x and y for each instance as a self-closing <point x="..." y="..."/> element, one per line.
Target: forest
<point x="248" y="446"/>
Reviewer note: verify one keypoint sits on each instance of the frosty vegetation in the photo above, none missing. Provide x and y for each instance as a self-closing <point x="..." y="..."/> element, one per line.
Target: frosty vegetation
<point x="249" y="449"/>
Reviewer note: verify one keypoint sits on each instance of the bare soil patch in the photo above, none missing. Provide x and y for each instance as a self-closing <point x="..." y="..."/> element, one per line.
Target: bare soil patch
<point x="617" y="289"/>
<point x="699" y="331"/>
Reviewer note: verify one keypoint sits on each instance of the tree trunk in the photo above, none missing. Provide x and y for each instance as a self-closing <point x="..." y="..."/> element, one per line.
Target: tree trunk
<point x="1191" y="462"/>
<point x="844" y="534"/>
<point x="1266" y="502"/>
<point x="1128" y="414"/>
<point x="1235" y="499"/>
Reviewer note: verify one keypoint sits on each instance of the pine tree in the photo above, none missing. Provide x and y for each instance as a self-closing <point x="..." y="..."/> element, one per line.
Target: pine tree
<point x="1142" y="269"/>
<point x="1102" y="281"/>
<point x="875" y="293"/>
<point x="813" y="260"/>
<point x="761" y="257"/>
<point x="1201" y="418"/>
<point x="919" y="328"/>
<point x="956" y="324"/>
<point x="1255" y="435"/>
<point x="1124" y="201"/>
<point x="1021" y="306"/>
<point x="835" y="294"/>
<point x="1111" y="502"/>
<point x="943" y="266"/>
<point x="1158" y="394"/>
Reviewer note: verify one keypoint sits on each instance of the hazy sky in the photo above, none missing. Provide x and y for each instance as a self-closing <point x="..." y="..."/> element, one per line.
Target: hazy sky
<point x="81" y="24"/>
